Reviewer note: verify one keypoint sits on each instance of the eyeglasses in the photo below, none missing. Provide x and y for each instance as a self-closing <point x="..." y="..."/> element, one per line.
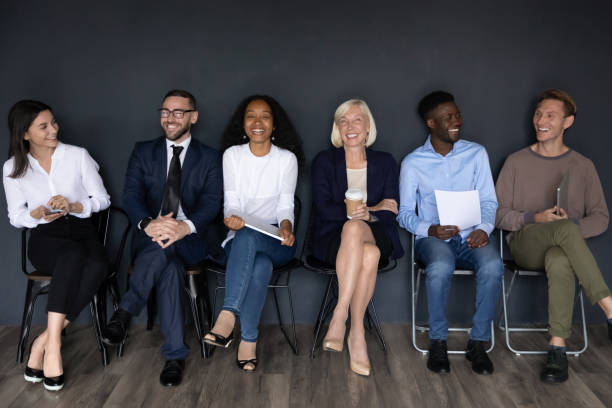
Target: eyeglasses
<point x="177" y="113"/>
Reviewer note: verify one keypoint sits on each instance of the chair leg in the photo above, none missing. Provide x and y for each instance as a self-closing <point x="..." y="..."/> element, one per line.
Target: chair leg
<point x="323" y="312"/>
<point x="292" y="343"/>
<point x="151" y="309"/>
<point x="26" y="320"/>
<point x="371" y="313"/>
<point x="192" y="290"/>
<point x="94" y="307"/>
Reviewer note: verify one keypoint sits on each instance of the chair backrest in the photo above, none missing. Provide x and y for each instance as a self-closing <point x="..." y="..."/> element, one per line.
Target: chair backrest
<point x="116" y="217"/>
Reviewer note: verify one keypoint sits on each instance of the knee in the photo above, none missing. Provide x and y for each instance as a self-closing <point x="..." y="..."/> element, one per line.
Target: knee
<point x="491" y="269"/>
<point x="371" y="254"/>
<point x="244" y="237"/>
<point x="352" y="229"/>
<point x="568" y="229"/>
<point x="440" y="270"/>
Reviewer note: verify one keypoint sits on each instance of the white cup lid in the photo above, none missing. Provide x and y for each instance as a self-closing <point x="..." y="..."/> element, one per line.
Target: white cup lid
<point x="353" y="194"/>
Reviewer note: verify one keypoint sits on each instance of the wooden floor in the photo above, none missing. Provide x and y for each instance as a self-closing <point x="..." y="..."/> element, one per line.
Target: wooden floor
<point x="399" y="378"/>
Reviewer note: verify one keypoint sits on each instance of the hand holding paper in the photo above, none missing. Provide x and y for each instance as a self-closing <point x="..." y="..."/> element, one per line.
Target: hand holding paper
<point x="460" y="208"/>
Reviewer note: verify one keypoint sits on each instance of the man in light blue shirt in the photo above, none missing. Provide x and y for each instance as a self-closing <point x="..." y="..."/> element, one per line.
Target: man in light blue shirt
<point x="445" y="162"/>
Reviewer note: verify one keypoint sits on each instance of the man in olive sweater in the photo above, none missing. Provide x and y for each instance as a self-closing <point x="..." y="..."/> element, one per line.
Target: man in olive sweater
<point x="544" y="237"/>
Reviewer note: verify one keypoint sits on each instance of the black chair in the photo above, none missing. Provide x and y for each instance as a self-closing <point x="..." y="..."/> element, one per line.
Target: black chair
<point x="331" y="292"/>
<point x="281" y="277"/>
<point x="39" y="281"/>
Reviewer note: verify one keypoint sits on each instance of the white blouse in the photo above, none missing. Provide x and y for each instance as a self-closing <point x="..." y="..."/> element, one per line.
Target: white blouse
<point x="74" y="175"/>
<point x="262" y="187"/>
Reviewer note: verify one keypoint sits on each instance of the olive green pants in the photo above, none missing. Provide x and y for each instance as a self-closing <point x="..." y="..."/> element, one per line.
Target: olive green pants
<point x="559" y="248"/>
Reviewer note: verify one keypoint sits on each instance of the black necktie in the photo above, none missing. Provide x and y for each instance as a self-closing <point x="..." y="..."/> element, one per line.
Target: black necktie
<point x="173" y="184"/>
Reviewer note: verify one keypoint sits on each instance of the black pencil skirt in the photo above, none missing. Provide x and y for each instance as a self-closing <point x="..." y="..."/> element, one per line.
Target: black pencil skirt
<point x="70" y="250"/>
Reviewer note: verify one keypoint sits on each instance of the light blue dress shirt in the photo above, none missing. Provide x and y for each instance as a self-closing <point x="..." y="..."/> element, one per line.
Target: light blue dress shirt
<point x="464" y="168"/>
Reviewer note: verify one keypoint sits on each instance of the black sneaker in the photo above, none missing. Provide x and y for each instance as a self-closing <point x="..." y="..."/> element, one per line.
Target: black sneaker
<point x="115" y="331"/>
<point x="438" y="357"/>
<point x="477" y="354"/>
<point x="555" y="370"/>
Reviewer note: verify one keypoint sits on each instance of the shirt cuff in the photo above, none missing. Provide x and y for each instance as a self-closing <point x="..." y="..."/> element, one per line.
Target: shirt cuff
<point x="488" y="228"/>
<point x="423" y="229"/>
<point x="529" y="217"/>
<point x="192" y="227"/>
<point x="28" y="221"/>
<point x="86" y="213"/>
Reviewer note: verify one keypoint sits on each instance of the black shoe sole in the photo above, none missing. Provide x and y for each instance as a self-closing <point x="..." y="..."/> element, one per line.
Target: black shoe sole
<point x="109" y="342"/>
<point x="554" y="380"/>
<point x="439" y="370"/>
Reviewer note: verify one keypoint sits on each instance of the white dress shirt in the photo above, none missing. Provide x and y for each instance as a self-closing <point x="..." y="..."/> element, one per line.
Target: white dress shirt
<point x="262" y="187"/>
<point x="73" y="174"/>
<point x="185" y="144"/>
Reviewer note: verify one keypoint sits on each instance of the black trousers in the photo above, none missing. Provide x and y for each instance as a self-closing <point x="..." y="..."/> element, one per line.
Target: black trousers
<point x="70" y="250"/>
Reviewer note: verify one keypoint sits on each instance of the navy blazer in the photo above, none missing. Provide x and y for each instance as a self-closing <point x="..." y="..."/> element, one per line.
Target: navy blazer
<point x="201" y="186"/>
<point x="329" y="183"/>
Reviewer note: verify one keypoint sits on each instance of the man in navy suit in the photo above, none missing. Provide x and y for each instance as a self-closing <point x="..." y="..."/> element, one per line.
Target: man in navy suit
<point x="173" y="190"/>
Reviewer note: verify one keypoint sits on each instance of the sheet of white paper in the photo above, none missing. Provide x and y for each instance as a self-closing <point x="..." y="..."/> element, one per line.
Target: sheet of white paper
<point x="460" y="208"/>
<point x="261" y="226"/>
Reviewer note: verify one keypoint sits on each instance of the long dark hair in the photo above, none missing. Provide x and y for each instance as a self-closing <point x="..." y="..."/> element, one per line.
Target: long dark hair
<point x="20" y="117"/>
<point x="284" y="134"/>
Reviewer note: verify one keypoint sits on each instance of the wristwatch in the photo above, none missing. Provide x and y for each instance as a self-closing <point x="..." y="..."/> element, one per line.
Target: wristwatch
<point x="144" y="222"/>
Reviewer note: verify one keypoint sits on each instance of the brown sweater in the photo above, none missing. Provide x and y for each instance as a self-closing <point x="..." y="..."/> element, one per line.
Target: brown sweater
<point x="528" y="182"/>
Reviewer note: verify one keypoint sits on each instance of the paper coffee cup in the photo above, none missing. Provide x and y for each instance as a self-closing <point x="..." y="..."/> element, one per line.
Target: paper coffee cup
<point x="354" y="198"/>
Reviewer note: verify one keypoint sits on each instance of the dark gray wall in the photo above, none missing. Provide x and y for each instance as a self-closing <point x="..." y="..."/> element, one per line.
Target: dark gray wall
<point x="104" y="68"/>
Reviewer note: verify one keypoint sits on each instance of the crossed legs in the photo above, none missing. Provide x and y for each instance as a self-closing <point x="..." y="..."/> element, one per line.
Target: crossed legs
<point x="356" y="268"/>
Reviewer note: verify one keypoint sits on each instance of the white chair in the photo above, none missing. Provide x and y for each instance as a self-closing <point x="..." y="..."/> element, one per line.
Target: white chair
<point x="518" y="272"/>
<point x="418" y="270"/>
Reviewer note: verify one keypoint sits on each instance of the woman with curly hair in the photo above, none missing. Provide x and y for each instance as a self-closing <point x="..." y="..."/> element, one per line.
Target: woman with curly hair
<point x="260" y="168"/>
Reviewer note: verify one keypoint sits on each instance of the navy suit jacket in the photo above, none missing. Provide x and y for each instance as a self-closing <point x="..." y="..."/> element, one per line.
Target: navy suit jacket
<point x="201" y="189"/>
<point x="329" y="183"/>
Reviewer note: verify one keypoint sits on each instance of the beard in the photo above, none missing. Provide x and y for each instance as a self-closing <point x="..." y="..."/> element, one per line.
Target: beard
<point x="178" y="133"/>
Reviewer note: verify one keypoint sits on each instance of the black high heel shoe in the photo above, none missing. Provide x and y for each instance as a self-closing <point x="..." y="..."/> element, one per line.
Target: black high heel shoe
<point x="219" y="340"/>
<point x="54" y="383"/>
<point x="242" y="363"/>
<point x="31" y="374"/>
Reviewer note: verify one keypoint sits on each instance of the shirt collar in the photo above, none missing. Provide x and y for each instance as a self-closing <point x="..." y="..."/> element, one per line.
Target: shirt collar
<point x="58" y="153"/>
<point x="429" y="147"/>
<point x="184" y="144"/>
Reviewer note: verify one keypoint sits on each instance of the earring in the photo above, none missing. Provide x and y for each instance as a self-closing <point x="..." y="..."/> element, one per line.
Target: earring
<point x="273" y="138"/>
<point x="244" y="136"/>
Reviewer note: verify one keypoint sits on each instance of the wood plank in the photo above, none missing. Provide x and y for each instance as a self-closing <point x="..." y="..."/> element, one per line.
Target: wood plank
<point x="399" y="377"/>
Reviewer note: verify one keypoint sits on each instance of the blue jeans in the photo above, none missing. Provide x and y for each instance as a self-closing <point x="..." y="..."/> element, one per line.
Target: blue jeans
<point x="251" y="256"/>
<point x="440" y="259"/>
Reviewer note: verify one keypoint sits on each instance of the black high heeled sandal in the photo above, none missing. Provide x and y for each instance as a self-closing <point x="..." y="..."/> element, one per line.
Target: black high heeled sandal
<point x="219" y="341"/>
<point x="242" y="363"/>
<point x="54" y="383"/>
<point x="31" y="374"/>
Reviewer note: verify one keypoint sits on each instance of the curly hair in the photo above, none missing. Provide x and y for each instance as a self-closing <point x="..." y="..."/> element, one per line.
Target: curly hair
<point x="284" y="135"/>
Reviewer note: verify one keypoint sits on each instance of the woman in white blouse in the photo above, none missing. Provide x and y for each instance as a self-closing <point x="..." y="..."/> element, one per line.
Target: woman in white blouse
<point x="53" y="188"/>
<point x="260" y="168"/>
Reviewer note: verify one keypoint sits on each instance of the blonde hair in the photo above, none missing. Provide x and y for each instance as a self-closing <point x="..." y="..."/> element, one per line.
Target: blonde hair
<point x="336" y="138"/>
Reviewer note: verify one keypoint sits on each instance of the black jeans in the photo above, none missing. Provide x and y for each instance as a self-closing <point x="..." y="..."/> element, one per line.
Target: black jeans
<point x="70" y="250"/>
